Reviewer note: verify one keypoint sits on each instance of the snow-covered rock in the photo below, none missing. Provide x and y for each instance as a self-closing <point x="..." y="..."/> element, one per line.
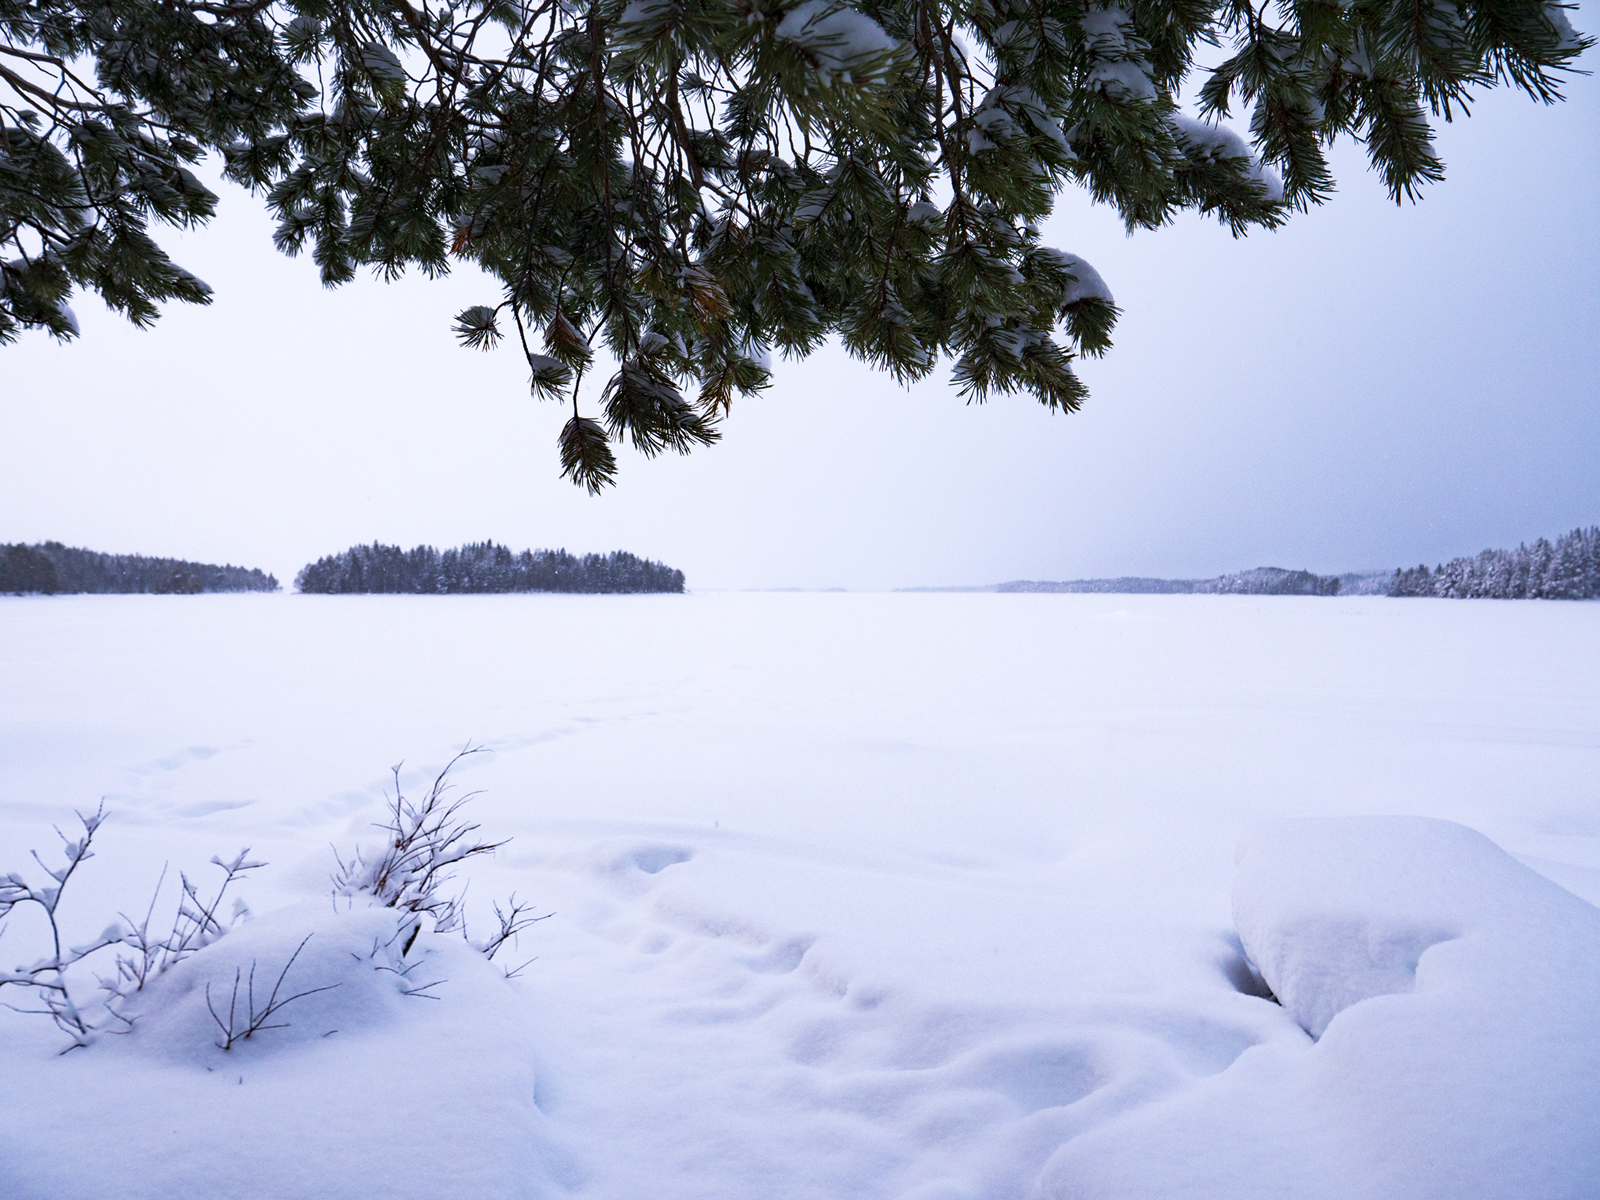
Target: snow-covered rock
<point x="1454" y="996"/>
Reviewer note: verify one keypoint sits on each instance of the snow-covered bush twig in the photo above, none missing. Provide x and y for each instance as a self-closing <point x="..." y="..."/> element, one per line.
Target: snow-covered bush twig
<point x="427" y="839"/>
<point x="513" y="919"/>
<point x="47" y="975"/>
<point x="241" y="1026"/>
<point x="194" y="926"/>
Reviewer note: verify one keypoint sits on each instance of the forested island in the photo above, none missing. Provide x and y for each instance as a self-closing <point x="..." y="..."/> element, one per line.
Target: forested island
<point x="482" y="567"/>
<point x="49" y="568"/>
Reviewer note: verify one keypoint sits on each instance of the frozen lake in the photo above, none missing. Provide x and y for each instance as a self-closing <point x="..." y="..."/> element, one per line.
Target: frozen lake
<point x="877" y="895"/>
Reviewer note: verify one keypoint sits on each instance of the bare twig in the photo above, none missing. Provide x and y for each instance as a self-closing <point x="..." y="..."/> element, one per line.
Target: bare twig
<point x="243" y="1026"/>
<point x="427" y="839"/>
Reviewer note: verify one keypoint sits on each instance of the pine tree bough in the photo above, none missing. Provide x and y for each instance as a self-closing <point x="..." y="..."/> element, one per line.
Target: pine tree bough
<point x="695" y="183"/>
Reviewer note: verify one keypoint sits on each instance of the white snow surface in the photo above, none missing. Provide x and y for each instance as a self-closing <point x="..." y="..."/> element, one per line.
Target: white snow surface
<point x="919" y="897"/>
<point x="1557" y="16"/>
<point x="644" y="12"/>
<point x="1123" y="79"/>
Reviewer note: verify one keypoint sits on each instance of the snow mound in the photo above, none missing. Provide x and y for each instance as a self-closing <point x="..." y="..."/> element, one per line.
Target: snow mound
<point x="1331" y="915"/>
<point x="302" y="974"/>
<point x="1454" y="995"/>
<point x="427" y="1095"/>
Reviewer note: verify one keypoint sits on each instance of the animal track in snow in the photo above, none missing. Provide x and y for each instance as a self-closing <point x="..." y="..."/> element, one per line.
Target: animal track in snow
<point x="652" y="860"/>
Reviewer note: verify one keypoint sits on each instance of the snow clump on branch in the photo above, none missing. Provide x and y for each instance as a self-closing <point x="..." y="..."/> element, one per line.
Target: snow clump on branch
<point x="840" y="40"/>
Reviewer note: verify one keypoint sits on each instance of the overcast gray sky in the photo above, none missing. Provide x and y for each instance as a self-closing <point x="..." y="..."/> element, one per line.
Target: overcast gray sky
<point x="1369" y="387"/>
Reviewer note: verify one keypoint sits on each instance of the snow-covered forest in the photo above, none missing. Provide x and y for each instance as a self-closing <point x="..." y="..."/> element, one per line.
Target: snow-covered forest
<point x="50" y="568"/>
<point x="480" y="567"/>
<point x="1566" y="569"/>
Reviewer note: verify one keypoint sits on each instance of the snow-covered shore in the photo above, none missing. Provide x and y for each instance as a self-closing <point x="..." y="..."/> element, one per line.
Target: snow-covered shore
<point x="906" y="896"/>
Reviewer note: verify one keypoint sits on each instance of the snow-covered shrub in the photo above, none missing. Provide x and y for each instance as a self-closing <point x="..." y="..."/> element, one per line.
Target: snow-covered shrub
<point x="291" y="978"/>
<point x="244" y="991"/>
<point x="245" y="1018"/>
<point x="427" y="839"/>
<point x="141" y="953"/>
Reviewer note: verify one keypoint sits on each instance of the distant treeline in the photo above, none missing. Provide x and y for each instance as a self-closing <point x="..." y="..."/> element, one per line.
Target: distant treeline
<point x="1262" y="581"/>
<point x="1566" y="569"/>
<point x="483" y="567"/>
<point x="52" y="568"/>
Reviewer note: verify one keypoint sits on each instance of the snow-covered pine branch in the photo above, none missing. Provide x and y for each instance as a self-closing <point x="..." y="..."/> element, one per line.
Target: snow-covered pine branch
<point x="691" y="186"/>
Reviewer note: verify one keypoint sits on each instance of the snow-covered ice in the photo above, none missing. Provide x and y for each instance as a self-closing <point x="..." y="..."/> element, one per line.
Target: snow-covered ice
<point x="920" y="897"/>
